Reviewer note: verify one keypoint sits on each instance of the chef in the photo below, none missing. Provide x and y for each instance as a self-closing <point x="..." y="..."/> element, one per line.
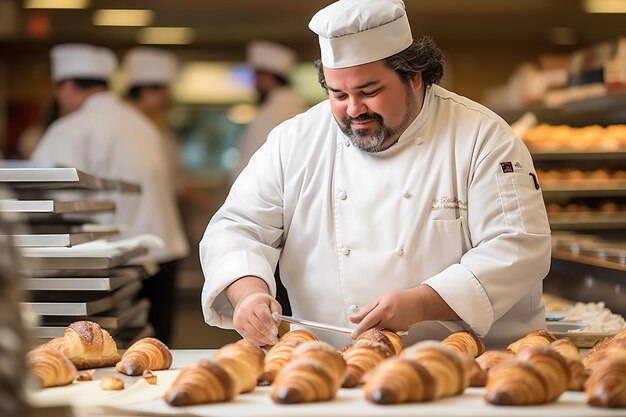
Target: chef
<point x="105" y="137"/>
<point x="273" y="64"/>
<point x="393" y="204"/>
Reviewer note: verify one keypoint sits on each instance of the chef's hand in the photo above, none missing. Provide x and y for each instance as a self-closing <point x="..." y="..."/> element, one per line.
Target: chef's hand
<point x="253" y="310"/>
<point x="395" y="310"/>
<point x="398" y="310"/>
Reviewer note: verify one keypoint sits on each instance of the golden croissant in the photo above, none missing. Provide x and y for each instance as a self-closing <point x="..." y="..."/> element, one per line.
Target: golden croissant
<point x="443" y="364"/>
<point x="606" y="386"/>
<point x="566" y="348"/>
<point x="50" y="367"/>
<point x="313" y="374"/>
<point x="361" y="358"/>
<point x="205" y="382"/>
<point x="399" y="380"/>
<point x="147" y="354"/>
<point x="492" y="358"/>
<point x="598" y="352"/>
<point x="464" y="342"/>
<point x="475" y="376"/>
<point x="578" y="376"/>
<point x="534" y="338"/>
<point x="87" y="345"/>
<point x="384" y="336"/>
<point x="515" y="383"/>
<point x="280" y="354"/>
<point x="551" y="365"/>
<point x="244" y="361"/>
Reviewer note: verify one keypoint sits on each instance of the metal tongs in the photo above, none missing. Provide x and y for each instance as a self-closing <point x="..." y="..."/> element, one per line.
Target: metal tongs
<point x="320" y="326"/>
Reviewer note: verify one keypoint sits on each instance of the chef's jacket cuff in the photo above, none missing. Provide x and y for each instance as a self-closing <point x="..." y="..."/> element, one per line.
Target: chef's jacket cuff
<point x="217" y="309"/>
<point x="462" y="291"/>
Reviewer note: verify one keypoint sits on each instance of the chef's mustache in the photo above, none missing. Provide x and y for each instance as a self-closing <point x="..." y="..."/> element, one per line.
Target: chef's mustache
<point x="347" y="120"/>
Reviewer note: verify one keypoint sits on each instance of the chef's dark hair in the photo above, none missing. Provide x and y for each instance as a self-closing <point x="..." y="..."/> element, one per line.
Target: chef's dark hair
<point x="85" y="83"/>
<point x="422" y="56"/>
<point x="135" y="91"/>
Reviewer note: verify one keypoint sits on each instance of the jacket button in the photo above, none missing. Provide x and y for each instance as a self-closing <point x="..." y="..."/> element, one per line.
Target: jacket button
<point x="353" y="308"/>
<point x="345" y="251"/>
<point x="342" y="195"/>
<point x="419" y="141"/>
<point x="407" y="195"/>
<point x="400" y="252"/>
<point x="347" y="143"/>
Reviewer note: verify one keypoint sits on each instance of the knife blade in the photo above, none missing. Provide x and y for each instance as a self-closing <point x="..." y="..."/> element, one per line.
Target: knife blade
<point x="320" y="326"/>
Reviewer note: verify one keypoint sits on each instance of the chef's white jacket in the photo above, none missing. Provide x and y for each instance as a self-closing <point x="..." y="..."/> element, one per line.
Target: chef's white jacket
<point x="282" y="103"/>
<point x="108" y="138"/>
<point x="452" y="205"/>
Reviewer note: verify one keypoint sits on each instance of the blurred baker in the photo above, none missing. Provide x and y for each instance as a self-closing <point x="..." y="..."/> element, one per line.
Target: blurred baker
<point x="393" y="204"/>
<point x="273" y="65"/>
<point x="103" y="136"/>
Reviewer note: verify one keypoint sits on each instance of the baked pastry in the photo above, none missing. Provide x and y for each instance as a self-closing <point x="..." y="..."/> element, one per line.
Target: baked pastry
<point x="578" y="376"/>
<point x="50" y="367"/>
<point x="534" y="338"/>
<point x="87" y="345"/>
<point x="363" y="357"/>
<point x="111" y="383"/>
<point x="606" y="386"/>
<point x="244" y="361"/>
<point x="597" y="352"/>
<point x="205" y="382"/>
<point x="491" y="358"/>
<point x="443" y="364"/>
<point x="280" y="354"/>
<point x="147" y="354"/>
<point x="85" y="376"/>
<point x="552" y="367"/>
<point x="384" y="336"/>
<point x="314" y="373"/>
<point x="399" y="380"/>
<point x="465" y="342"/>
<point x="475" y="376"/>
<point x="515" y="383"/>
<point x="566" y="348"/>
<point x="149" y="377"/>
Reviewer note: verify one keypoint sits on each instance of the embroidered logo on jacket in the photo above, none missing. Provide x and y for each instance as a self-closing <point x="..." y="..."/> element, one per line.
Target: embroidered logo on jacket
<point x="506" y="167"/>
<point x="448" y="203"/>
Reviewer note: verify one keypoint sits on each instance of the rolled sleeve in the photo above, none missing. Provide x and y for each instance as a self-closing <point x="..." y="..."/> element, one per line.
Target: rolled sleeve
<point x="218" y="311"/>
<point x="457" y="286"/>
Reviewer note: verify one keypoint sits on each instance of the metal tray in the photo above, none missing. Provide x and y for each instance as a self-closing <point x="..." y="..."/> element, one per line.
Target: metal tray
<point x="61" y="178"/>
<point x="38" y="260"/>
<point x="109" y="283"/>
<point x="60" y="239"/>
<point x="84" y="308"/>
<point x="54" y="207"/>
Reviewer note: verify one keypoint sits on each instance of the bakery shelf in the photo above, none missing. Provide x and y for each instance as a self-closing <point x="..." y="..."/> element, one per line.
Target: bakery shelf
<point x="587" y="220"/>
<point x="109" y="283"/>
<point x="60" y="178"/>
<point x="59" y="239"/>
<point x="54" y="207"/>
<point x="40" y="258"/>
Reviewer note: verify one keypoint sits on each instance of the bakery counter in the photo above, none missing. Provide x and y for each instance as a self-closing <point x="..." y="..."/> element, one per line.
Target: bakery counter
<point x="140" y="399"/>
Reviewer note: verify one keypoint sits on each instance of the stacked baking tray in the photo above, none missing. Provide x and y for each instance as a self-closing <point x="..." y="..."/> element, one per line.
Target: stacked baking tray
<point x="71" y="272"/>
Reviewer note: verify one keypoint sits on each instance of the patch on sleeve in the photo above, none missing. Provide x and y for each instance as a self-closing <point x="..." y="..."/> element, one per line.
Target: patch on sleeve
<point x="506" y="167"/>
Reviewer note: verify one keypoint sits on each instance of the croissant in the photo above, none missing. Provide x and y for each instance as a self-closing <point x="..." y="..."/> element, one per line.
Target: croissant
<point x="606" y="386"/>
<point x="599" y="351"/>
<point x="399" y="380"/>
<point x="491" y="358"/>
<point x="280" y="354"/>
<point x="515" y="383"/>
<point x="464" y="342"/>
<point x="386" y="337"/>
<point x="566" y="348"/>
<point x="578" y="376"/>
<point x="443" y="364"/>
<point x="244" y="361"/>
<point x="363" y="357"/>
<point x="313" y="374"/>
<point x="147" y="354"/>
<point x="552" y="367"/>
<point x="205" y="382"/>
<point x="475" y="376"/>
<point x="50" y="367"/>
<point x="534" y="338"/>
<point x="87" y="345"/>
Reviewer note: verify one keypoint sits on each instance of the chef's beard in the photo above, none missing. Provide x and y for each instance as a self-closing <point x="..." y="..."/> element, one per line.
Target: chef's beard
<point x="384" y="137"/>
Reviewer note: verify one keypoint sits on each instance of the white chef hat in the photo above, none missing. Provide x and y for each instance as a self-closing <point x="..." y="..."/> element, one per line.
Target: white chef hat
<point x="271" y="57"/>
<point x="355" y="32"/>
<point x="148" y="66"/>
<point x="77" y="60"/>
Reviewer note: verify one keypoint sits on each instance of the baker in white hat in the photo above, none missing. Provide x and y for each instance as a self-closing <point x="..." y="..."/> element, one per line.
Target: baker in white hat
<point x="393" y="204"/>
<point x="273" y="65"/>
<point x="103" y="136"/>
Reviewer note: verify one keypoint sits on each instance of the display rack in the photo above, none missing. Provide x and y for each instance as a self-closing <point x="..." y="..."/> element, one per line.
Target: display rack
<point x="71" y="272"/>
